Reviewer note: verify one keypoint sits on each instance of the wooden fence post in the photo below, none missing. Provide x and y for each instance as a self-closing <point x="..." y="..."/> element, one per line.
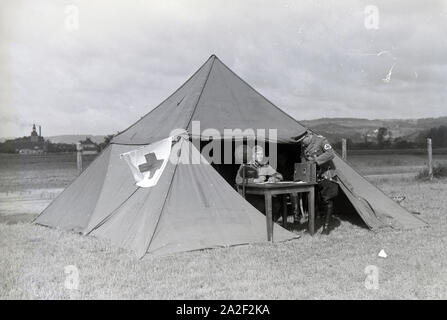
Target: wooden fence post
<point x="430" y="159"/>
<point x="344" y="153"/>
<point x="79" y="157"/>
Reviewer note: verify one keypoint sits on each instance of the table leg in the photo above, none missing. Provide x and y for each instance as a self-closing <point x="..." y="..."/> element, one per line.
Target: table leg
<point x="284" y="210"/>
<point x="268" y="215"/>
<point x="311" y="210"/>
<point x="294" y="198"/>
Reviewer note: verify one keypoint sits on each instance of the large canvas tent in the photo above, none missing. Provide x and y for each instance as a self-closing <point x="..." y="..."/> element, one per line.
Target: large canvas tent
<point x="193" y="206"/>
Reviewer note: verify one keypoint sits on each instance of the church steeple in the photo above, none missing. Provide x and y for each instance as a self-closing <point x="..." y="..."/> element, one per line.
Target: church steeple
<point x="34" y="132"/>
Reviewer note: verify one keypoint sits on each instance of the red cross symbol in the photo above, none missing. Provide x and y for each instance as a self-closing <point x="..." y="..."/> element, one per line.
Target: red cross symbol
<point x="152" y="164"/>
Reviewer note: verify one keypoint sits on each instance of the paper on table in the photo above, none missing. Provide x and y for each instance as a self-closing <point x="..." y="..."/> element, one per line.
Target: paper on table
<point x="279" y="182"/>
<point x="291" y="182"/>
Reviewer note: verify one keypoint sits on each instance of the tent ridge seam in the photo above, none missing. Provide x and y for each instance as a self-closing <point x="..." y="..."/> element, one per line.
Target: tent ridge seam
<point x="100" y="192"/>
<point x="163" y="206"/>
<point x="200" y="96"/>
<point x="109" y="216"/>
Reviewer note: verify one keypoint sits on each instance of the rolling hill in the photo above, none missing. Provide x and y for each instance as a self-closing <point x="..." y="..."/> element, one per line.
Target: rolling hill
<point x="333" y="128"/>
<point x="352" y="128"/>
<point x="74" y="138"/>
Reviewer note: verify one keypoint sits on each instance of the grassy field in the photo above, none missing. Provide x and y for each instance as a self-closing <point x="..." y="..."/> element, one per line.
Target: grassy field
<point x="33" y="258"/>
<point x="392" y="164"/>
<point x="29" y="183"/>
<point x="21" y="172"/>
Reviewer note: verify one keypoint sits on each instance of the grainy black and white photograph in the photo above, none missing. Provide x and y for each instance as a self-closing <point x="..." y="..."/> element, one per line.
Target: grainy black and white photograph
<point x="223" y="150"/>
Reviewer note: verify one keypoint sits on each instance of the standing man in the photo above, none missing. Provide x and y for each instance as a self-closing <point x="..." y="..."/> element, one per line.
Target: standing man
<point x="318" y="150"/>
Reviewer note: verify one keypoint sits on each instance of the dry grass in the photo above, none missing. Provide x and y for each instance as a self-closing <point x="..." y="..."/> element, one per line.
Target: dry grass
<point x="439" y="171"/>
<point x="33" y="258"/>
<point x="19" y="172"/>
<point x="33" y="261"/>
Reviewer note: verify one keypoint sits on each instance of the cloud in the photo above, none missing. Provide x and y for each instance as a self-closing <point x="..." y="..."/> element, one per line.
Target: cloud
<point x="311" y="58"/>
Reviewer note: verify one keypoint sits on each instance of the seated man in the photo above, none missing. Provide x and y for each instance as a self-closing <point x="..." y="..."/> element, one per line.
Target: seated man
<point x="265" y="173"/>
<point x="261" y="165"/>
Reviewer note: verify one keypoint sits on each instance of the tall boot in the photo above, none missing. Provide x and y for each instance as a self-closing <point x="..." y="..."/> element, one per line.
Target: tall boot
<point x="327" y="219"/>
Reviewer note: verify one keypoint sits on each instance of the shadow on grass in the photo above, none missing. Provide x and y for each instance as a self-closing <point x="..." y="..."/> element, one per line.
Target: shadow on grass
<point x="344" y="212"/>
<point x="299" y="228"/>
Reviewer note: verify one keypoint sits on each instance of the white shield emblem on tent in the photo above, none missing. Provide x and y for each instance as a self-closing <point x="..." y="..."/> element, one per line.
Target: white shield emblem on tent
<point x="147" y="163"/>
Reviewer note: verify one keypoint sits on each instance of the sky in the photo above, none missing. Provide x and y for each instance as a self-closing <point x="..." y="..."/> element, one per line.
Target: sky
<point x="95" y="67"/>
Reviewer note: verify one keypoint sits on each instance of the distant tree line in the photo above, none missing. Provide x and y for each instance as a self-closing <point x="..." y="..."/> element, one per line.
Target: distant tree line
<point x="385" y="141"/>
<point x="11" y="146"/>
<point x="14" y="145"/>
<point x="60" y="147"/>
<point x="438" y="136"/>
<point x="106" y="142"/>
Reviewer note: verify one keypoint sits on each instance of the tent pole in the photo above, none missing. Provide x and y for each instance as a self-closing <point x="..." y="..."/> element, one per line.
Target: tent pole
<point x="79" y="157"/>
<point x="243" y="180"/>
<point x="430" y="159"/>
<point x="343" y="149"/>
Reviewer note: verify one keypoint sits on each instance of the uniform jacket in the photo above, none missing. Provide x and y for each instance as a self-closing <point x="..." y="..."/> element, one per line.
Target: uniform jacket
<point x="264" y="170"/>
<point x="321" y="151"/>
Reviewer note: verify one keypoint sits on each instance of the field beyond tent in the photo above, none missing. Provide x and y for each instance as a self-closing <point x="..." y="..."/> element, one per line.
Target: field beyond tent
<point x="33" y="258"/>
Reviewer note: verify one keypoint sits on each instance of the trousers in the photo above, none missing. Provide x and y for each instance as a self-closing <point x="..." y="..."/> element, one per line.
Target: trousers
<point x="328" y="190"/>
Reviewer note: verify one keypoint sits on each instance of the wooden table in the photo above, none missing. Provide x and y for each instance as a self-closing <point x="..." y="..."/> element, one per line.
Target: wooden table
<point x="270" y="189"/>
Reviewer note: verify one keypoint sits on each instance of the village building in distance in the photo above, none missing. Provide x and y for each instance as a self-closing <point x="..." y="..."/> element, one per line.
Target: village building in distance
<point x="33" y="144"/>
<point x="88" y="146"/>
